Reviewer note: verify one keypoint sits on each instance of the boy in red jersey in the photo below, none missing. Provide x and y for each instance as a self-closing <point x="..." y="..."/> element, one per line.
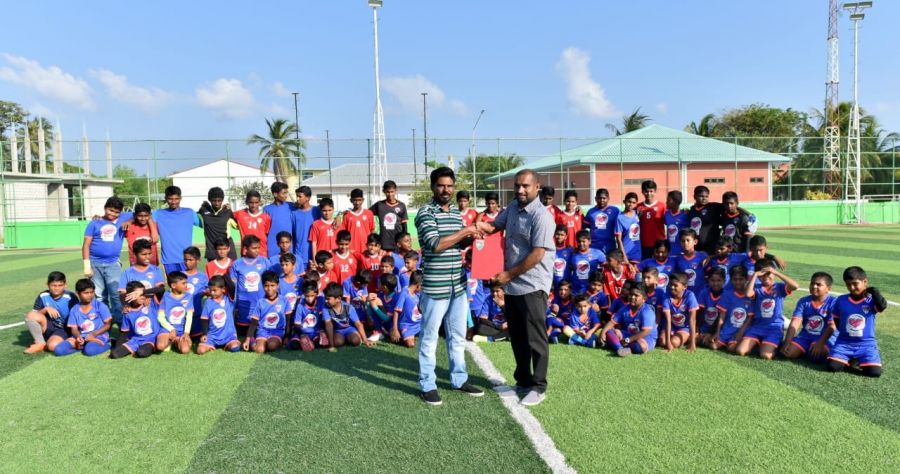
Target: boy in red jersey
<point x="571" y="218"/>
<point x="253" y="221"/>
<point x="345" y="260"/>
<point x="651" y="215"/>
<point x="323" y="234"/>
<point x="359" y="222"/>
<point x="143" y="227"/>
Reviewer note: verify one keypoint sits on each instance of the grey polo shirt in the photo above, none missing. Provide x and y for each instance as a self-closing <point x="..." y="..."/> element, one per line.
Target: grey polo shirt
<point x="528" y="228"/>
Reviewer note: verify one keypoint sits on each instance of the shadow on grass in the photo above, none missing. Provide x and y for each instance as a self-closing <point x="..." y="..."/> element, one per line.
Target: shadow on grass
<point x="13" y="341"/>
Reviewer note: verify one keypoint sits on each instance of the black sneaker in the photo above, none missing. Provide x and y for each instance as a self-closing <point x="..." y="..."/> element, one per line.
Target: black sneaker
<point x="431" y="397"/>
<point x="470" y="389"/>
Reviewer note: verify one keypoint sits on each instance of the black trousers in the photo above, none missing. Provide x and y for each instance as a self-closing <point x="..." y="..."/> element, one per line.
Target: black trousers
<point x="525" y="316"/>
<point x="489" y="330"/>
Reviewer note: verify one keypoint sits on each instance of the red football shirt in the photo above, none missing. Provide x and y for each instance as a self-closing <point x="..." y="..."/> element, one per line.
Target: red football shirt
<point x="468" y="216"/>
<point x="254" y="224"/>
<point x="554" y="210"/>
<point x="372" y="264"/>
<point x="653" y="224"/>
<point x="135" y="233"/>
<point x="345" y="265"/>
<point x="326" y="278"/>
<point x="213" y="268"/>
<point x="324" y="235"/>
<point x="612" y="283"/>
<point x="360" y="225"/>
<point x="573" y="225"/>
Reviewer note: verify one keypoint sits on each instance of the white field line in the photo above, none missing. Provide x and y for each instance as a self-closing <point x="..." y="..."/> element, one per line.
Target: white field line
<point x="835" y="293"/>
<point x="541" y="442"/>
<point x="7" y="326"/>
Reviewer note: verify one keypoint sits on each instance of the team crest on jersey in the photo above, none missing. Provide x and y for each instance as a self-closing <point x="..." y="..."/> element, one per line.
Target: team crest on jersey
<point x="252" y="278"/>
<point x="663" y="280"/>
<point x="143" y="327"/>
<point x="191" y="288"/>
<point x="176" y="315"/>
<point x="108" y="233"/>
<point x="634" y="231"/>
<point x="291" y="299"/>
<point x="271" y="321"/>
<point x="697" y="223"/>
<point x="672" y="231"/>
<point x="815" y="325"/>
<point x="390" y="219"/>
<point x="730" y="230"/>
<point x="692" y="276"/>
<point x="559" y="265"/>
<point x="866" y="308"/>
<point x="601" y="220"/>
<point x="259" y="220"/>
<point x="856" y="323"/>
<point x="218" y="317"/>
<point x="633" y="328"/>
<point x="309" y="321"/>
<point x="738" y="315"/>
<point x="146" y="283"/>
<point x="87" y="326"/>
<point x="479" y="244"/>
<point x="416" y="314"/>
<point x="711" y="315"/>
<point x="679" y="319"/>
<point x="582" y="268"/>
<point x="768" y="308"/>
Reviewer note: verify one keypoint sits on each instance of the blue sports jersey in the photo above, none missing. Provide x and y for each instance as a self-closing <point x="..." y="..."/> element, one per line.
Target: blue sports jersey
<point x="276" y="265"/>
<point x="141" y="323"/>
<point x="282" y="220"/>
<point x="693" y="268"/>
<point x="402" y="280"/>
<point x="358" y="296"/>
<point x="106" y="238"/>
<point x="87" y="322"/>
<point x="197" y="284"/>
<point x="309" y="317"/>
<point x="475" y="290"/>
<point x="632" y="322"/>
<point x="630" y="229"/>
<point x="710" y="313"/>
<point x="175" y="310"/>
<point x="582" y="264"/>
<point x="565" y="307"/>
<point x="63" y="304"/>
<point x="732" y="260"/>
<point x="675" y="223"/>
<point x="176" y="231"/>
<point x="220" y="315"/>
<point x="561" y="268"/>
<point x="855" y="319"/>
<point x="395" y="302"/>
<point x="600" y="299"/>
<point x="736" y="309"/>
<point x="493" y="312"/>
<point x="247" y="277"/>
<point x="343" y="319"/>
<point x="410" y="316"/>
<point x="602" y="224"/>
<point x="768" y="306"/>
<point x="302" y="221"/>
<point x="679" y="310"/>
<point x="288" y="290"/>
<point x="616" y="305"/>
<point x="814" y="319"/>
<point x="151" y="277"/>
<point x="270" y="314"/>
<point x="576" y="322"/>
<point x="665" y="269"/>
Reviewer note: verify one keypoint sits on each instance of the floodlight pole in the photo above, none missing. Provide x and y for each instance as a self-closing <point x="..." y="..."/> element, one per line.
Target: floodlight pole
<point x="474" y="164"/>
<point x="854" y="158"/>
<point x="425" y="127"/>
<point x="378" y="169"/>
<point x="297" y="136"/>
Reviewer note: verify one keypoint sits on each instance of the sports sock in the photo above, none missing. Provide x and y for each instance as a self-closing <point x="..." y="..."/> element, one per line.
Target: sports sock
<point x="34" y="328"/>
<point x="871" y="371"/>
<point x="64" y="348"/>
<point x="835" y="366"/>
<point x="236" y="348"/>
<point x="92" y="349"/>
<point x="146" y="350"/>
<point x="120" y="351"/>
<point x="612" y="340"/>
<point x="568" y="332"/>
<point x="575" y="339"/>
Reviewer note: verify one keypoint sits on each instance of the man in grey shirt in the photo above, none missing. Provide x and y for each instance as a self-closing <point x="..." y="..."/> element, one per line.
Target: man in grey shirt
<point x="527" y="267"/>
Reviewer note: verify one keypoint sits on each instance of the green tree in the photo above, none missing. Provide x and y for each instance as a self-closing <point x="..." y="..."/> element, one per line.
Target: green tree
<point x="238" y="191"/>
<point x="763" y="127"/>
<point x="705" y="128"/>
<point x="279" y="148"/>
<point x="11" y="114"/>
<point x="631" y="122"/>
<point x="137" y="188"/>
<point x="478" y="174"/>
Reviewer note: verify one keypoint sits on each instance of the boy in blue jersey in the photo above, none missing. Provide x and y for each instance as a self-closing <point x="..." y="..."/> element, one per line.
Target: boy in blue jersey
<point x="724" y="258"/>
<point x="690" y="262"/>
<point x="282" y="218"/>
<point x="140" y="327"/>
<point x="708" y="300"/>
<point x="408" y="322"/>
<point x="303" y="214"/>
<point x="633" y="329"/>
<point x="46" y="321"/>
<point x="628" y="230"/>
<point x="560" y="308"/>
<point x="89" y="323"/>
<point x="101" y="250"/>
<point x="308" y="331"/>
<point x="596" y="297"/>
<point x="246" y="274"/>
<point x="143" y="271"/>
<point x="679" y="309"/>
<point x="197" y="283"/>
<point x="342" y="324"/>
<point x="584" y="260"/>
<point x="356" y="290"/>
<point x="675" y="220"/>
<point x="386" y="304"/>
<point x="582" y="324"/>
<point x="288" y="283"/>
<point x="734" y="308"/>
<point x="285" y="246"/>
<point x="765" y="326"/>
<point x="410" y="265"/>
<point x="477" y="293"/>
<point x="812" y="319"/>
<point x="176" y="228"/>
<point x="176" y="315"/>
<point x="491" y="323"/>
<point x="267" y="318"/>
<point x="217" y="320"/>
<point x="601" y="221"/>
<point x="854" y="316"/>
<point x="661" y="261"/>
<point x="404" y="246"/>
<point x="561" y="270"/>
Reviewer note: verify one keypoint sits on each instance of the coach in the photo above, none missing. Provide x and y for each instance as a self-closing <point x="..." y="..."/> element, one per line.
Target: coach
<point x="526" y="273"/>
<point x="444" y="298"/>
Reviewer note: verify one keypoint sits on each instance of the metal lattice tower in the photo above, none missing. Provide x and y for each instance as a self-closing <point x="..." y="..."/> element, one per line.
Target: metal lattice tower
<point x="832" y="150"/>
<point x="853" y="176"/>
<point x="378" y="166"/>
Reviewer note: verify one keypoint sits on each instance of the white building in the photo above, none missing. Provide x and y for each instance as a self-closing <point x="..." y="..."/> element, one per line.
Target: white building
<point x="338" y="182"/>
<point x="195" y="182"/>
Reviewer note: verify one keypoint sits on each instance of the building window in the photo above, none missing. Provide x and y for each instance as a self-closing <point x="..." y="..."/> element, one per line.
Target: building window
<point x="757" y="179"/>
<point x="636" y="181"/>
<point x="713" y="180"/>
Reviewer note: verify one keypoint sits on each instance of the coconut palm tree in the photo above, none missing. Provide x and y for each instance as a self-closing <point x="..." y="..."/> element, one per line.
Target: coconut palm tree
<point x="630" y="123"/>
<point x="279" y="148"/>
<point x="705" y="128"/>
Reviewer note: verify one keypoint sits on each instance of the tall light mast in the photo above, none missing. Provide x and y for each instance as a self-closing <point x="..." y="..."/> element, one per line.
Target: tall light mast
<point x="832" y="150"/>
<point x="853" y="179"/>
<point x="379" y="151"/>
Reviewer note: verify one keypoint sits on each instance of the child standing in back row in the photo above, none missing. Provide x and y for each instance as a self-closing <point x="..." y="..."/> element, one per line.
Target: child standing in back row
<point x="628" y="230"/>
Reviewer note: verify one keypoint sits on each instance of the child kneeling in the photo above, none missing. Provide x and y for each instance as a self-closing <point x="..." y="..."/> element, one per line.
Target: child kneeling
<point x="637" y="331"/>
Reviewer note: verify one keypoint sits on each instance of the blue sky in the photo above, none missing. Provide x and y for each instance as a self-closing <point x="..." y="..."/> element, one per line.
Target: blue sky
<point x="197" y="70"/>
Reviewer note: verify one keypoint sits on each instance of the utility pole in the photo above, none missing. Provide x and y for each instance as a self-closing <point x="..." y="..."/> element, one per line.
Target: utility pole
<point x="425" y="126"/>
<point x="832" y="158"/>
<point x="378" y="168"/>
<point x="854" y="158"/>
<point x="297" y="136"/>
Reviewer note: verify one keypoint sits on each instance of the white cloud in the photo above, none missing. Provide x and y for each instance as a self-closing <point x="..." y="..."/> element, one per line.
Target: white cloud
<point x="50" y="81"/>
<point x="148" y="99"/>
<point x="278" y="89"/>
<point x="279" y="110"/>
<point x="255" y="80"/>
<point x="42" y="111"/>
<point x="227" y="96"/>
<point x="407" y="91"/>
<point x="662" y="107"/>
<point x="586" y="96"/>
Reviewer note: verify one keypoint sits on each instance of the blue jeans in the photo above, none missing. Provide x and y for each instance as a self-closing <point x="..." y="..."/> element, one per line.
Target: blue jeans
<point x="452" y="311"/>
<point x="106" y="280"/>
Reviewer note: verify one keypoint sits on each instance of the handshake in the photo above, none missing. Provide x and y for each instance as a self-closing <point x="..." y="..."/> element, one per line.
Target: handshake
<point x="478" y="230"/>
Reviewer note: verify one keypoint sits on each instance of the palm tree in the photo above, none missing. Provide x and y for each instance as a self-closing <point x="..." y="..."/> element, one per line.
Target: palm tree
<point x="488" y="166"/>
<point x="33" y="125"/>
<point x="705" y="128"/>
<point x="630" y="123"/>
<point x="279" y="148"/>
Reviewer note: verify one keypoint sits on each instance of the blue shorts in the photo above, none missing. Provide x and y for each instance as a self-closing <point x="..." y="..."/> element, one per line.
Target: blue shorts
<point x="726" y="335"/>
<point x="243" y="312"/>
<point x="220" y="341"/>
<point x="765" y="335"/>
<point x="866" y="353"/>
<point x="174" y="267"/>
<point x="346" y="331"/>
<point x="135" y="342"/>
<point x="637" y="349"/>
<point x="54" y="331"/>
<point x="805" y="341"/>
<point x="267" y="333"/>
<point x="686" y="330"/>
<point x="409" y="330"/>
<point x="554" y="322"/>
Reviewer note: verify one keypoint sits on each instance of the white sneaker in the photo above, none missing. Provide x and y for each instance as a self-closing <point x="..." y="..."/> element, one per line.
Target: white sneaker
<point x="376" y="336"/>
<point x="533" y="398"/>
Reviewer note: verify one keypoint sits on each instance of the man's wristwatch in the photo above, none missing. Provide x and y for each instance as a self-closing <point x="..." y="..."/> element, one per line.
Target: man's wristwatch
<point x="627" y="341"/>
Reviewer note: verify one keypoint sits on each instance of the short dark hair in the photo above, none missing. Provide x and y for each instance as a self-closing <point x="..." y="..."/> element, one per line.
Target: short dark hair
<point x="631" y="195"/>
<point x="373" y="238"/>
<point x="648" y="184"/>
<point x="304" y="190"/>
<point x="133" y="285"/>
<point x="676" y="196"/>
<point x="277" y="187"/>
<point x="758" y="240"/>
<point x="416" y="277"/>
<point x="462" y="195"/>
<point x="249" y="240"/>
<point x="548" y="190"/>
<point x="737" y="270"/>
<point x="326" y="202"/>
<point x="252" y="194"/>
<point x="725" y="241"/>
<point x="269" y="276"/>
<point x="287" y="257"/>
<point x="389" y="184"/>
<point x="571" y="193"/>
<point x="579" y="298"/>
<point x="84" y="284"/>
<point x="193" y="252"/>
<point x="854" y="273"/>
<point x="729" y="195"/>
<point x="343" y="235"/>
<point x="283" y="233"/>
<point x="412" y="254"/>
<point x="140" y="245"/>
<point x="565" y="230"/>
<point x="765" y="262"/>
<point x="310" y="286"/>
<point x="215" y="192"/>
<point x="616" y="254"/>
<point x="363" y="276"/>
<point x="334" y="290"/>
<point x="583" y="234"/>
<point x="388" y="280"/>
<point x="564" y="283"/>
<point x="700" y="189"/>
<point x="221" y="243"/>
<point x="387" y="259"/>
<point x="824" y="276"/>
<point x="438" y="173"/>
<point x="716" y="271"/>
<point x="688" y="231"/>
<point x="322" y="256"/>
<point x="640" y="287"/>
<point x="142" y="207"/>
<point x="601" y="192"/>
<point x="491" y="196"/>
<point x="660" y="243"/>
<point x="114" y="203"/>
<point x="682" y="278"/>
<point x="356" y="193"/>
<point x="217" y="281"/>
<point x="595" y="276"/>
<point x="176" y="276"/>
<point x="651" y="270"/>
<point x="172" y="191"/>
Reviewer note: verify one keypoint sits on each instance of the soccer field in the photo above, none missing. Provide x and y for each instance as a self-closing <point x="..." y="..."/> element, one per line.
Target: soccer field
<point x="357" y="410"/>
